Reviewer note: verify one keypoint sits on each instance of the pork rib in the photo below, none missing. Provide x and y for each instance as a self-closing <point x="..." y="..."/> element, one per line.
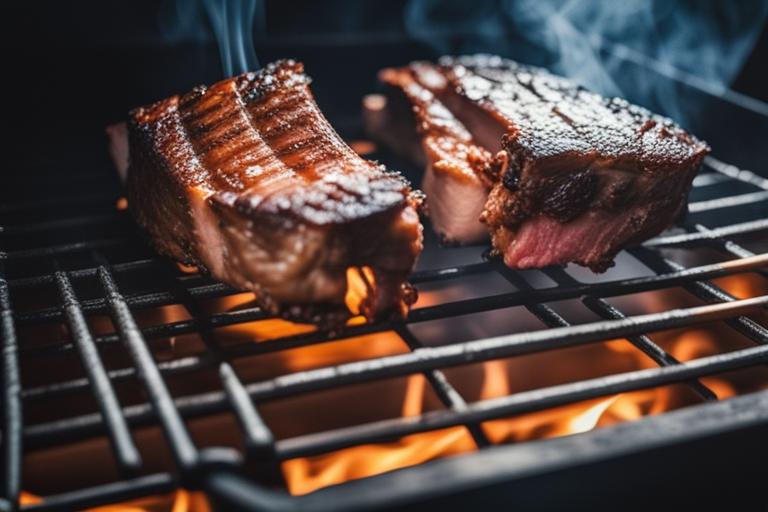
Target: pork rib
<point x="248" y="180"/>
<point x="576" y="176"/>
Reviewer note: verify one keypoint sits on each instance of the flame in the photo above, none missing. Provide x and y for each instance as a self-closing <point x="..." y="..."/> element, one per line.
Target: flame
<point x="588" y="419"/>
<point x="414" y="396"/>
<point x="27" y="498"/>
<point x="360" y="283"/>
<point x="121" y="204"/>
<point x="307" y="474"/>
<point x="179" y="501"/>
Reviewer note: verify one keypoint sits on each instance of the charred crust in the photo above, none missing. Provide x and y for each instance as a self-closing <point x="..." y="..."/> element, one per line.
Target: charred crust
<point x="569" y="195"/>
<point x="510" y="180"/>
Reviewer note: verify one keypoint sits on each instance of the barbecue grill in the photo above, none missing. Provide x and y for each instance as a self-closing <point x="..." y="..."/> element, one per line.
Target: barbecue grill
<point x="94" y="327"/>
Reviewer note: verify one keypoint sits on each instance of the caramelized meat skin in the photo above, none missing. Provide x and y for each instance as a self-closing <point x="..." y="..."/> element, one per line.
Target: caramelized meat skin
<point x="576" y="176"/>
<point x="248" y="180"/>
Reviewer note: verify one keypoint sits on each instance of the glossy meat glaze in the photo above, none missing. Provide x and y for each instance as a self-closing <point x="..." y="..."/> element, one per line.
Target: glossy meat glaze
<point x="247" y="179"/>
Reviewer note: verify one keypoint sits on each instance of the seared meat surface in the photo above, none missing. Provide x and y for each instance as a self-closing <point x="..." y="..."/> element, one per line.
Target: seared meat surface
<point x="247" y="179"/>
<point x="575" y="176"/>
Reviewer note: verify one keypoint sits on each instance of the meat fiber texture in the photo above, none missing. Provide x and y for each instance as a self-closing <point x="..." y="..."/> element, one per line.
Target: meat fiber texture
<point x="553" y="172"/>
<point x="247" y="179"/>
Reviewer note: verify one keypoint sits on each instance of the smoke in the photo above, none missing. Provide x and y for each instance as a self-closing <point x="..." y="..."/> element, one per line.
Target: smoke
<point x="617" y="48"/>
<point x="230" y="22"/>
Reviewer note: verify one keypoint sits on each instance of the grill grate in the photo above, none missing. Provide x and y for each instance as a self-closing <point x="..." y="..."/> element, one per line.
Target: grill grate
<point x="210" y="468"/>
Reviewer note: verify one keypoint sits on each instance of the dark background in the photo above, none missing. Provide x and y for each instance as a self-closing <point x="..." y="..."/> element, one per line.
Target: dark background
<point x="73" y="67"/>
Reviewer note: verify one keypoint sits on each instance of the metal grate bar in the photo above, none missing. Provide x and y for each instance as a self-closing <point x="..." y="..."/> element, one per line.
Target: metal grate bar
<point x="726" y="245"/>
<point x="734" y="172"/>
<point x="35" y="281"/>
<point x="604" y="289"/>
<point x="684" y="240"/>
<point x="728" y="202"/>
<point x="546" y="314"/>
<point x="183" y="365"/>
<point x="67" y="222"/>
<point x="447" y="394"/>
<point x="147" y="263"/>
<point x="259" y="441"/>
<point x="123" y="490"/>
<point x="54" y="250"/>
<point x="125" y="450"/>
<point x="710" y="178"/>
<point x="50" y="203"/>
<point x="708" y="292"/>
<point x="183" y="449"/>
<point x="12" y="408"/>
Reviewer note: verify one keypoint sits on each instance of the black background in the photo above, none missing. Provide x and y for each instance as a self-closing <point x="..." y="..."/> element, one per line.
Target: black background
<point x="73" y="67"/>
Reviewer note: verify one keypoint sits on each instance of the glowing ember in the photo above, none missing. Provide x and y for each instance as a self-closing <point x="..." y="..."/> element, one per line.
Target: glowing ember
<point x="121" y="204"/>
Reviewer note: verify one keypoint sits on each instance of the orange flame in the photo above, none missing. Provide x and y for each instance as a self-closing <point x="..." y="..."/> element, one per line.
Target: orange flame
<point x="360" y="283"/>
<point x="305" y="475"/>
<point x="180" y="501"/>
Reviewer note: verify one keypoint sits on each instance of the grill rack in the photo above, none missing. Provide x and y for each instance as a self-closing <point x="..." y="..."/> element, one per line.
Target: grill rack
<point x="218" y="470"/>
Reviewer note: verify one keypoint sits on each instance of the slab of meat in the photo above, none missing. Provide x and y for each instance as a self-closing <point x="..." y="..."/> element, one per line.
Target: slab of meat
<point x="454" y="183"/>
<point x="247" y="179"/>
<point x="576" y="176"/>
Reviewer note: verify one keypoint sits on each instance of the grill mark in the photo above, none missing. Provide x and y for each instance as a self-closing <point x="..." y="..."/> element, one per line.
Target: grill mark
<point x="216" y="139"/>
<point x="196" y="173"/>
<point x="243" y="149"/>
<point x="197" y="116"/>
<point x="296" y="122"/>
<point x="291" y="147"/>
<point x="293" y="103"/>
<point x="285" y="173"/>
<point x="201" y="126"/>
<point x="226" y="142"/>
<point x="264" y="112"/>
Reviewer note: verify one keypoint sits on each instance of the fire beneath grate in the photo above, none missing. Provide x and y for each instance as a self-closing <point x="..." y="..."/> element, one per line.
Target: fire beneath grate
<point x="155" y="378"/>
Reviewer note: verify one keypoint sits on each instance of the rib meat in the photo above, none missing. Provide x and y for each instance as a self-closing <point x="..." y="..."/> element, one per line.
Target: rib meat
<point x="576" y="176"/>
<point x="453" y="180"/>
<point x="247" y="179"/>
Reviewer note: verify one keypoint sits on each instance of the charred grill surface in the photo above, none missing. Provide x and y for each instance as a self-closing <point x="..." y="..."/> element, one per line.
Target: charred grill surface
<point x="248" y="180"/>
<point x="576" y="176"/>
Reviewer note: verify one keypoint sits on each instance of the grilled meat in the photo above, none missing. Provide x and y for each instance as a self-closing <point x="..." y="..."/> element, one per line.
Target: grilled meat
<point x="576" y="176"/>
<point x="247" y="179"/>
<point x="453" y="181"/>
